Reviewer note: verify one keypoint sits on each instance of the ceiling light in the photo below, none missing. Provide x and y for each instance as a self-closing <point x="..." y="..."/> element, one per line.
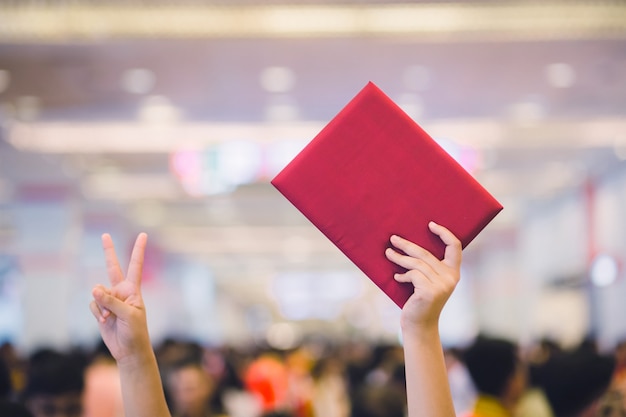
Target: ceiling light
<point x="158" y="110"/>
<point x="121" y="137"/>
<point x="604" y="270"/>
<point x="278" y="79"/>
<point x="281" y="111"/>
<point x="560" y="75"/>
<point x="138" y="81"/>
<point x="118" y="186"/>
<point x="527" y="112"/>
<point x="282" y="140"/>
<point x="283" y="336"/>
<point x="48" y="21"/>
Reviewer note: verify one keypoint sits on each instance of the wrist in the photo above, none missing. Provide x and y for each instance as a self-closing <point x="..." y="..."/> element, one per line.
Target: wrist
<point x="425" y="331"/>
<point x="137" y="360"/>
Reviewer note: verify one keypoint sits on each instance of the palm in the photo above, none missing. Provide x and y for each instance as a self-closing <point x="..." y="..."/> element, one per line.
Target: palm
<point x="427" y="300"/>
<point x="115" y="330"/>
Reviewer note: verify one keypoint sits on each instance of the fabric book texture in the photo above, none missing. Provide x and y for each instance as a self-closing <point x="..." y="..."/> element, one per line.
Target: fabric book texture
<point x="372" y="172"/>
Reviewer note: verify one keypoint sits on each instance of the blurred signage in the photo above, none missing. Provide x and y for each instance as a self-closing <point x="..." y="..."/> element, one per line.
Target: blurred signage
<point x="222" y="167"/>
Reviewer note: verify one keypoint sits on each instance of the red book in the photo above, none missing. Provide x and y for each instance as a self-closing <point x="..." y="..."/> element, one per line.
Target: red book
<point x="373" y="172"/>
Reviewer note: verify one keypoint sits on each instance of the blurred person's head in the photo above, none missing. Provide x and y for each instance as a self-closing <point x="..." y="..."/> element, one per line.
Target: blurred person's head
<point x="574" y="381"/>
<point x="378" y="401"/>
<point x="589" y="342"/>
<point x="496" y="369"/>
<point x="328" y="366"/>
<point x="620" y="353"/>
<point x="189" y="388"/>
<point x="54" y="384"/>
<point x="543" y="350"/>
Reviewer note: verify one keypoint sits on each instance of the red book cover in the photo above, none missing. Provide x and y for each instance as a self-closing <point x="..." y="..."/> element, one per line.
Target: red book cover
<point x="372" y="172"/>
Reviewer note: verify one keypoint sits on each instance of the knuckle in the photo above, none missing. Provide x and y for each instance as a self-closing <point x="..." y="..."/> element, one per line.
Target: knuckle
<point x="413" y="274"/>
<point x="417" y="263"/>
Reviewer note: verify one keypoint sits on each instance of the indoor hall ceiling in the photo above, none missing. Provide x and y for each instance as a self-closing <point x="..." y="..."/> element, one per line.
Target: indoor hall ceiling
<point x="544" y="115"/>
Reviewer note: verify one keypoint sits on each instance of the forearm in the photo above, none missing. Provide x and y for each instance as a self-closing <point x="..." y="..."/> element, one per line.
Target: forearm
<point x="142" y="390"/>
<point x="428" y="389"/>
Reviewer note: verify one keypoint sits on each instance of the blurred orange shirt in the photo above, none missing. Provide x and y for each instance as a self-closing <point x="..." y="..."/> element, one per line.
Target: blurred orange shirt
<point x="268" y="379"/>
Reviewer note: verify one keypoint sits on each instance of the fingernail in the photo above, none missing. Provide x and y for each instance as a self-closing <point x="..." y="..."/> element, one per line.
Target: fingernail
<point x="97" y="292"/>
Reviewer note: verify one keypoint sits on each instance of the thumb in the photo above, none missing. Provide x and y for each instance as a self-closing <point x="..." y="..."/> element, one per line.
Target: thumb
<point x="107" y="301"/>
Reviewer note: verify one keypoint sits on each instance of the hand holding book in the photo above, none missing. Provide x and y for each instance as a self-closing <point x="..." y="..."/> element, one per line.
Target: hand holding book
<point x="433" y="279"/>
<point x="373" y="172"/>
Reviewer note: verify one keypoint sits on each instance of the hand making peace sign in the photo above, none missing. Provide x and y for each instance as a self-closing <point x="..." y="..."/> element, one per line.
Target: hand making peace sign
<point x="120" y="309"/>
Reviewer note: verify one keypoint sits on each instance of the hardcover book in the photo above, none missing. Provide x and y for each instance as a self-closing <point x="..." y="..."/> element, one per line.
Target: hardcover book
<point x="371" y="172"/>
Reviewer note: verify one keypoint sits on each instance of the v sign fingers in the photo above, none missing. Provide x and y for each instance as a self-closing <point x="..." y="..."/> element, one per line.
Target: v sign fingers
<point x="113" y="265"/>
<point x="135" y="267"/>
<point x="125" y="288"/>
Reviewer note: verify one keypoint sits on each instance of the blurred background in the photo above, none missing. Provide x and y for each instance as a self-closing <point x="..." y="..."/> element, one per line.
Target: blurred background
<point x="171" y="117"/>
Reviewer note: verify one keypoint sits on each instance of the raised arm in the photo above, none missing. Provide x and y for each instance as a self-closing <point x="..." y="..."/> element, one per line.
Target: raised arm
<point x="121" y="317"/>
<point x="428" y="390"/>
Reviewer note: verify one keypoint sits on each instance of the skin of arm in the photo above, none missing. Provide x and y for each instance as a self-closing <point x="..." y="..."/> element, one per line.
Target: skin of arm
<point x="434" y="280"/>
<point x="121" y="317"/>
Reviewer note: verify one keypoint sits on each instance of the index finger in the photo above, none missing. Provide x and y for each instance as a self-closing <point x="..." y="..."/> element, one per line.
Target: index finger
<point x="113" y="265"/>
<point x="135" y="267"/>
<point x="454" y="251"/>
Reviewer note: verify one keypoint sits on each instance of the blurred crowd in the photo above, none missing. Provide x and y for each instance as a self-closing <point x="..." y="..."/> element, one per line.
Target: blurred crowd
<point x="320" y="379"/>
